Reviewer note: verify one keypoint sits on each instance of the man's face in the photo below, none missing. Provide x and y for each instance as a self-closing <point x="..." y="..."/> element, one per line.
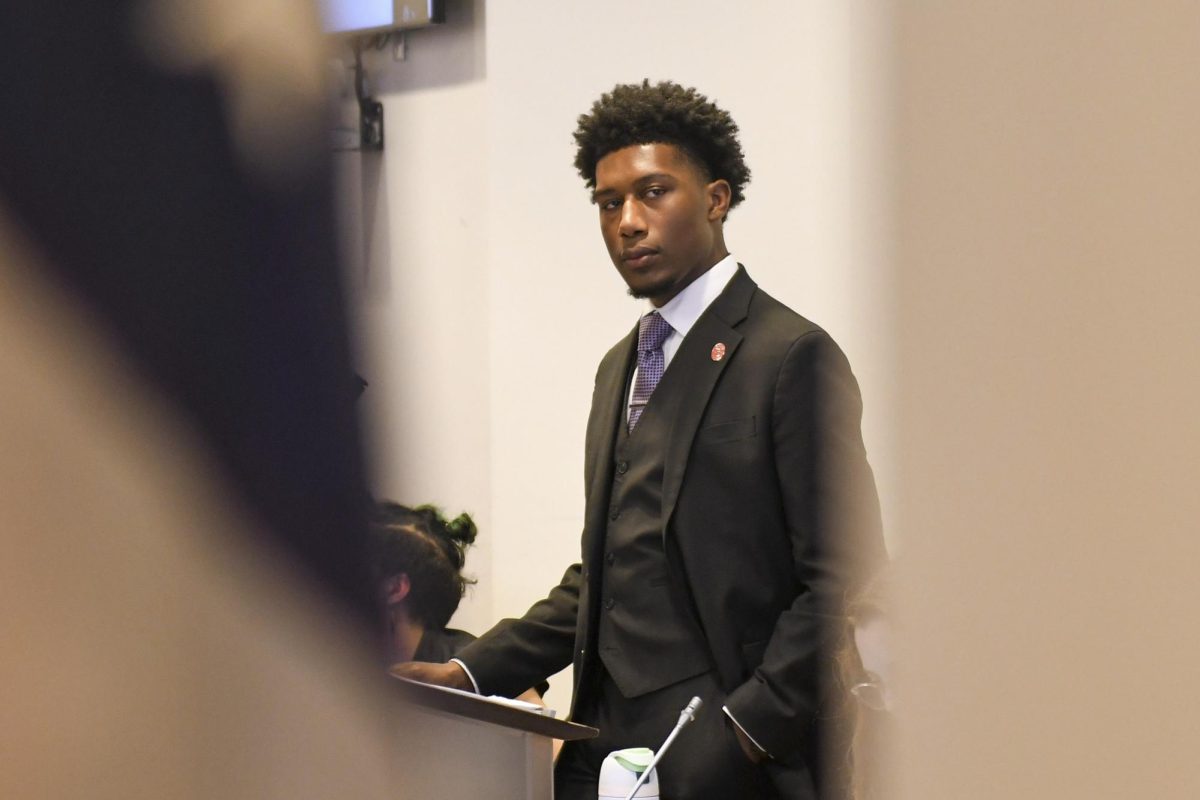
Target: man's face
<point x="660" y="217"/>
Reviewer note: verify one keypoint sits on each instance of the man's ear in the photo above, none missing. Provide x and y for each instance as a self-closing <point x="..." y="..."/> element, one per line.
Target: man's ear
<point x="719" y="194"/>
<point x="396" y="588"/>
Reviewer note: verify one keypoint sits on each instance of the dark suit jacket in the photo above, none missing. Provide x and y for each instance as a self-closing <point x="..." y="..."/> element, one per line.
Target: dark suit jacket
<point x="769" y="518"/>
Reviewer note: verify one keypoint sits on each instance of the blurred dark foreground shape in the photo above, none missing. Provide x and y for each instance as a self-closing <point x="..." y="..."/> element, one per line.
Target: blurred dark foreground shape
<point x="182" y="499"/>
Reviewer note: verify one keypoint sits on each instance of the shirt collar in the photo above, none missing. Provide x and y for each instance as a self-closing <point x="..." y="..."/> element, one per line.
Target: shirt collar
<point x="685" y="308"/>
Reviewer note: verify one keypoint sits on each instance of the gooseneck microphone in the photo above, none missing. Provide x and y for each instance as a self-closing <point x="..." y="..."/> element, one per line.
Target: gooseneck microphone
<point x="687" y="715"/>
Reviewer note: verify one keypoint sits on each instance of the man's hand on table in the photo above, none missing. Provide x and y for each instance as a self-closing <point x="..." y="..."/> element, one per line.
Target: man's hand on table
<point x="448" y="674"/>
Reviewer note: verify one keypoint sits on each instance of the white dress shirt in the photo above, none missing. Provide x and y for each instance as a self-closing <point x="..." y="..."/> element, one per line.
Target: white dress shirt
<point x="682" y="310"/>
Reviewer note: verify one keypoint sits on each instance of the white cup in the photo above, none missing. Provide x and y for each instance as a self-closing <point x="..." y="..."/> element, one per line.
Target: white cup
<point x="621" y="770"/>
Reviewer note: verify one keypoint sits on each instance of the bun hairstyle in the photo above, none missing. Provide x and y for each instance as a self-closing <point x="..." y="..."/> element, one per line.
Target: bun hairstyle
<point x="431" y="550"/>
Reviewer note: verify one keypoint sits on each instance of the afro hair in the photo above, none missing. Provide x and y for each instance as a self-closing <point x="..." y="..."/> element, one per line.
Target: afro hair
<point x="662" y="113"/>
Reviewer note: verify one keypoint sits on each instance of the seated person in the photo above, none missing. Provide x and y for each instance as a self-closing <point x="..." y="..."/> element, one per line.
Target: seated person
<point x="417" y="558"/>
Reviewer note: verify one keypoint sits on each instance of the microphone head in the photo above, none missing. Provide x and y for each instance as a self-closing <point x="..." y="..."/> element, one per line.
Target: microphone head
<point x="689" y="713"/>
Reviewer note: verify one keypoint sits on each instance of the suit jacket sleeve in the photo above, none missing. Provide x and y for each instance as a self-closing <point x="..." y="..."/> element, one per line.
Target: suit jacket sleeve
<point x="831" y="513"/>
<point x="519" y="653"/>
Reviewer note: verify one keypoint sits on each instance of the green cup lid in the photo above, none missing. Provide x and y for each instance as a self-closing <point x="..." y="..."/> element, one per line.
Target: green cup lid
<point x="634" y="759"/>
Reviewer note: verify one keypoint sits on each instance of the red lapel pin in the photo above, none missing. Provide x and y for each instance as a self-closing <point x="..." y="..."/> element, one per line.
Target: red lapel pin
<point x="718" y="351"/>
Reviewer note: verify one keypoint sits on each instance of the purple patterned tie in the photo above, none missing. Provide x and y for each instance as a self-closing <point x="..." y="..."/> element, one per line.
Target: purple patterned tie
<point x="652" y="332"/>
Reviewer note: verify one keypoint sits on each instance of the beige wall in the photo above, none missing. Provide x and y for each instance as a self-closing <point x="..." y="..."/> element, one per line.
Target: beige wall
<point x="497" y="232"/>
<point x="1047" y="299"/>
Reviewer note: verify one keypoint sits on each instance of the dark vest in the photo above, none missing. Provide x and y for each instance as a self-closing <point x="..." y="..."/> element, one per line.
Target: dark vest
<point x="648" y="638"/>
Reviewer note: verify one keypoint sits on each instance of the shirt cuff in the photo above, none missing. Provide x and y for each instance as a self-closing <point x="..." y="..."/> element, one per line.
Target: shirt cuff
<point x="475" y="683"/>
<point x="761" y="749"/>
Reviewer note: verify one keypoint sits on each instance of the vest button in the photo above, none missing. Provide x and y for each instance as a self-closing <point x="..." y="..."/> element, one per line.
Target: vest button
<point x="610" y="558"/>
<point x="609" y="603"/>
<point x="614" y="514"/>
<point x="622" y="467"/>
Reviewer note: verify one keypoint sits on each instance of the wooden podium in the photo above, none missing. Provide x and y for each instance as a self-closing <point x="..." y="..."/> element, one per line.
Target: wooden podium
<point x="455" y="745"/>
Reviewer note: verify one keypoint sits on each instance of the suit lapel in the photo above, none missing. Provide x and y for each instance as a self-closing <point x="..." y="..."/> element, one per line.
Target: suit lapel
<point x="700" y="373"/>
<point x="608" y="403"/>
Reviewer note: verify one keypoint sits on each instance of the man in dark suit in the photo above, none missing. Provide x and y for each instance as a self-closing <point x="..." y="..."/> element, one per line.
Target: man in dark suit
<point x="729" y="504"/>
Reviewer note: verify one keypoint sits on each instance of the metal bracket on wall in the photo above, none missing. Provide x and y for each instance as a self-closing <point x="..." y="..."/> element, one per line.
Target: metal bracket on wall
<point x="370" y="110"/>
<point x="370" y="122"/>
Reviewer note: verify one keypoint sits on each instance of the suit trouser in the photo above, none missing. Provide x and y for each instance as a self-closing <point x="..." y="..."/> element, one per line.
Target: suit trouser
<point x="705" y="761"/>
